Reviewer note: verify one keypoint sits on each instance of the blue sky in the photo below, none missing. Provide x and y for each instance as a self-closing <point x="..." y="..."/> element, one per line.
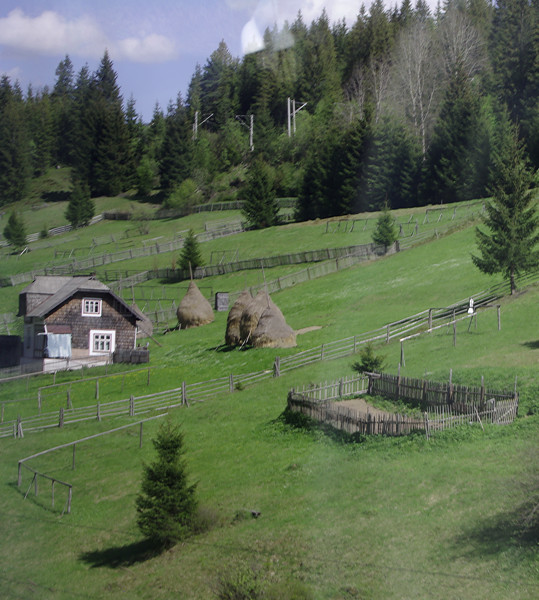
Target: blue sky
<point x="155" y="46"/>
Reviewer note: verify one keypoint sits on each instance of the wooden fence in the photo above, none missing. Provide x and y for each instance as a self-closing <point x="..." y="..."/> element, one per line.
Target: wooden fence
<point x="318" y="403"/>
<point x="430" y="394"/>
<point x="36" y="474"/>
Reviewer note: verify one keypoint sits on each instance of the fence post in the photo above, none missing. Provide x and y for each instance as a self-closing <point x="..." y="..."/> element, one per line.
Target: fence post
<point x="499" y="318"/>
<point x="20" y="432"/>
<point x="341" y="384"/>
<point x="322" y="352"/>
<point x="482" y="397"/>
<point x="140" y="436"/>
<point x="73" y="461"/>
<point x="231" y="383"/>
<point x="430" y="319"/>
<point x="98" y="411"/>
<point x="402" y="362"/>
<point x="184" y="393"/>
<point x="69" y="494"/>
<point x="427" y="433"/>
<point x="68" y="400"/>
<point x="61" y="418"/>
<point x="131" y="406"/>
<point x="97" y="389"/>
<point x="277" y="367"/>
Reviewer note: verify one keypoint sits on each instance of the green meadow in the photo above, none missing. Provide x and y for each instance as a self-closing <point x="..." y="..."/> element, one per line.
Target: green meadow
<point x="381" y="518"/>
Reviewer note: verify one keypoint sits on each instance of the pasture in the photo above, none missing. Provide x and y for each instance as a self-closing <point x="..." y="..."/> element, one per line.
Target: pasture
<point x="385" y="518"/>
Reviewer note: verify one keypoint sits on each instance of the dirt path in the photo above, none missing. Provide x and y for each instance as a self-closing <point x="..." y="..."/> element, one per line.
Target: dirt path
<point x="361" y="406"/>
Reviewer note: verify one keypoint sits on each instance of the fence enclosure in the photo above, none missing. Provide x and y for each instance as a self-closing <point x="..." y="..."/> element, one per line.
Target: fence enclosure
<point x="449" y="405"/>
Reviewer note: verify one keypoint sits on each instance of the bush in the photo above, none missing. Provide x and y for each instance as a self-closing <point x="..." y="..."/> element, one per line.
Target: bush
<point x="241" y="583"/>
<point x="369" y="361"/>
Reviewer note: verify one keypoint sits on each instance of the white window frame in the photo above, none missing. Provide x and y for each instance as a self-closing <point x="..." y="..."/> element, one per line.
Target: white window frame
<point x="103" y="333"/>
<point x="91" y="307"/>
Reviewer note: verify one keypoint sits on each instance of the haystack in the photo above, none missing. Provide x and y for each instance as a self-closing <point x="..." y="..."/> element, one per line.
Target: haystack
<point x="272" y="330"/>
<point x="251" y="314"/>
<point x="232" y="334"/>
<point x="194" y="310"/>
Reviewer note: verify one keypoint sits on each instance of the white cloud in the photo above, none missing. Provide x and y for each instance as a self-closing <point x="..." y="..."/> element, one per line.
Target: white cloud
<point x="270" y="12"/>
<point x="150" y="49"/>
<point x="52" y="34"/>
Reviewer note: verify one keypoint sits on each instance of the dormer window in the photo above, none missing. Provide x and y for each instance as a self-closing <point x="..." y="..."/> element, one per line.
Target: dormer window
<point x="91" y="307"/>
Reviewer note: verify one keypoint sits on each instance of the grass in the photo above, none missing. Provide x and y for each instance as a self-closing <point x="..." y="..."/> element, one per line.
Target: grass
<point x="386" y="518"/>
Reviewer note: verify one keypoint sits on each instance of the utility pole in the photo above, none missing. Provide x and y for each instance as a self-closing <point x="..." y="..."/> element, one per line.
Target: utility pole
<point x="196" y="124"/>
<point x="292" y="110"/>
<point x="250" y="127"/>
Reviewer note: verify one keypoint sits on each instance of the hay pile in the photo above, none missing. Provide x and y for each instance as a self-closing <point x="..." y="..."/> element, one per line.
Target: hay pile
<point x="194" y="310"/>
<point x="273" y="331"/>
<point x="232" y="334"/>
<point x="261" y="323"/>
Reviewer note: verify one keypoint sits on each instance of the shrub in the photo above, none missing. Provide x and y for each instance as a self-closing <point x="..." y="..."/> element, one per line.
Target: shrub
<point x="369" y="361"/>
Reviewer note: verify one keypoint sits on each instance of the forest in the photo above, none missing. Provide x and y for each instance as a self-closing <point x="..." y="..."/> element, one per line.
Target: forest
<point x="404" y="107"/>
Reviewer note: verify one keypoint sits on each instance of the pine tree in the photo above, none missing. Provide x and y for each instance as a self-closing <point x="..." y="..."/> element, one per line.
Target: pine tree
<point x="260" y="204"/>
<point x="385" y="233"/>
<point x="166" y="505"/>
<point x="511" y="246"/>
<point x="15" y="231"/>
<point x="190" y="256"/>
<point x="81" y="207"/>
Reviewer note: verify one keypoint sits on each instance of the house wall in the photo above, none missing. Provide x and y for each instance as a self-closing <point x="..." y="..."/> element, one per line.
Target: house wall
<point x="113" y="317"/>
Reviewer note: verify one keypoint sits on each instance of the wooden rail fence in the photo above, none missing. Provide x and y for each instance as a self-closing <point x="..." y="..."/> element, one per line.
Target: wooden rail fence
<point x="34" y="483"/>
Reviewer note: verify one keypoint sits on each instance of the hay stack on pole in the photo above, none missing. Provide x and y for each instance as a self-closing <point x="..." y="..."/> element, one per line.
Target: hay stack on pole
<point x="232" y="334"/>
<point x="263" y="325"/>
<point x="273" y="331"/>
<point x="252" y="313"/>
<point x="194" y="310"/>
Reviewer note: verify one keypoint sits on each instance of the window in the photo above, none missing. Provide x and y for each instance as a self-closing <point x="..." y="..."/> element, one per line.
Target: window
<point x="102" y="342"/>
<point x="91" y="307"/>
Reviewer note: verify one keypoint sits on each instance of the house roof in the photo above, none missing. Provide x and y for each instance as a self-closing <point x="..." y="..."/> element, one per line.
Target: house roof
<point x="60" y="289"/>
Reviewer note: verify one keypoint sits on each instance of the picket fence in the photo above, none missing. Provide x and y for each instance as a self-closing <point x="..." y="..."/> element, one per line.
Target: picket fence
<point x="318" y="403"/>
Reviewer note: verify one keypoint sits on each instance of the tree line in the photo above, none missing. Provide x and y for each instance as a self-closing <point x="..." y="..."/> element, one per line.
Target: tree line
<point x="403" y="108"/>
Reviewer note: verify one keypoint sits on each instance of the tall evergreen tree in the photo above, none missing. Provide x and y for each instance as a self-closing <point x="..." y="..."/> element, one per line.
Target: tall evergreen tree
<point x="15" y="231"/>
<point x="190" y="256"/>
<point x="448" y="176"/>
<point x="166" y="505"/>
<point x="80" y="208"/>
<point x="260" y="204"/>
<point x="176" y="150"/>
<point x="511" y="246"/>
<point x="63" y="109"/>
<point x="15" y="144"/>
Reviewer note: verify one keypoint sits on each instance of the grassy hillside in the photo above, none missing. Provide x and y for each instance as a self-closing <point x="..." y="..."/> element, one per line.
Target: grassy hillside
<point x="387" y="518"/>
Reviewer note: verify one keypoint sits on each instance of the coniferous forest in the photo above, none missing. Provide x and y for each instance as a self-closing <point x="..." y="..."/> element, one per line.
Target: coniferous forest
<point x="404" y="107"/>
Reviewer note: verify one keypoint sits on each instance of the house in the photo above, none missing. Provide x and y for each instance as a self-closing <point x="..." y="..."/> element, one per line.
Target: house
<point x="75" y="318"/>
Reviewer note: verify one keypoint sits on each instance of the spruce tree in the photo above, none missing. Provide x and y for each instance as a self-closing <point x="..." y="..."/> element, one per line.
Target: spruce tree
<point x="511" y="247"/>
<point x="15" y="231"/>
<point x="385" y="232"/>
<point x="81" y="207"/>
<point x="166" y="505"/>
<point x="190" y="254"/>
<point x="260" y="204"/>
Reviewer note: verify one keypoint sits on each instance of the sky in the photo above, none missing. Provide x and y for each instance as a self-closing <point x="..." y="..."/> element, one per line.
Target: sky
<point x="155" y="46"/>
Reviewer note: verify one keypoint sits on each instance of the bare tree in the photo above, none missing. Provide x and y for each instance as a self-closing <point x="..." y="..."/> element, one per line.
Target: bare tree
<point x="355" y="91"/>
<point x="416" y="78"/>
<point x="460" y="43"/>
<point x="380" y="73"/>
